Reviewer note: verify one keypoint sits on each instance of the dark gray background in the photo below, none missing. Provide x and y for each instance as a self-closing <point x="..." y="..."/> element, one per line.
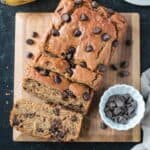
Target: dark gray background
<point x="7" y="17"/>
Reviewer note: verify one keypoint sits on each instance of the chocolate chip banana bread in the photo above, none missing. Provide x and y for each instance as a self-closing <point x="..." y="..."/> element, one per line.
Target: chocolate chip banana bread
<point x="54" y="88"/>
<point x="86" y="34"/>
<point x="45" y="121"/>
<point x="77" y="73"/>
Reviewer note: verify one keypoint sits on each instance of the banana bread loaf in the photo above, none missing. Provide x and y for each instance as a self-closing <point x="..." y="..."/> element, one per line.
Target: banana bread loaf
<point x="84" y="33"/>
<point x="54" y="88"/>
<point x="45" y="121"/>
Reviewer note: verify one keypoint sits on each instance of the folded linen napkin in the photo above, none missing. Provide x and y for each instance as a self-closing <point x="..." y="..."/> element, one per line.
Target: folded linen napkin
<point x="145" y="89"/>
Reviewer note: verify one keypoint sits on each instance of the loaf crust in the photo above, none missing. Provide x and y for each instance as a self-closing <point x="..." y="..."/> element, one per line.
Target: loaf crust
<point x="94" y="39"/>
<point x="45" y="121"/>
<point x="69" y="94"/>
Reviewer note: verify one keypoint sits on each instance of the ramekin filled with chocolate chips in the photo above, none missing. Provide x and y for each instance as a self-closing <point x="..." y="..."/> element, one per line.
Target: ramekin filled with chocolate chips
<point x="122" y="107"/>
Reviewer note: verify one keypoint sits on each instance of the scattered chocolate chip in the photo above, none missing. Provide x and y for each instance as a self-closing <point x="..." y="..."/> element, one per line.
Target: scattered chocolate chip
<point x="78" y="2"/>
<point x="56" y="111"/>
<point x="83" y="64"/>
<point x="83" y="17"/>
<point x="55" y="32"/>
<point x="94" y="4"/>
<point x="114" y="67"/>
<point x="115" y="43"/>
<point x="39" y="130"/>
<point x="15" y="121"/>
<point x="101" y="68"/>
<point x="34" y="34"/>
<point x="73" y="118"/>
<point x="29" y="115"/>
<point x="128" y="42"/>
<point x="77" y="33"/>
<point x="97" y="30"/>
<point x="69" y="71"/>
<point x="89" y="48"/>
<point x="29" y="41"/>
<point x="16" y="105"/>
<point x="124" y="64"/>
<point x="66" y="17"/>
<point x="105" y="37"/>
<point x="123" y="74"/>
<point x="57" y="79"/>
<point x="86" y="96"/>
<point x="103" y="125"/>
<point x="29" y="55"/>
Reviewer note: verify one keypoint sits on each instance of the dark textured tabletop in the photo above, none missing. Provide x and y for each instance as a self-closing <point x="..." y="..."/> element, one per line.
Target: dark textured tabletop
<point x="7" y="21"/>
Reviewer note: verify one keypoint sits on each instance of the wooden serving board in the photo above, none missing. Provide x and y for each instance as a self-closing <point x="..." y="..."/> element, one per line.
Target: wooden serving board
<point x="26" y="23"/>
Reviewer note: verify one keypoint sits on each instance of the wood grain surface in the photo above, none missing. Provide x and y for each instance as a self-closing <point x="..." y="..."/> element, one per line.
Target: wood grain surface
<point x="26" y="23"/>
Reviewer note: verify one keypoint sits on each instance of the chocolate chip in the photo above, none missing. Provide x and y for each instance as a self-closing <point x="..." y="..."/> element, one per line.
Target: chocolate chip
<point x="119" y="103"/>
<point x="83" y="17"/>
<point x="71" y="50"/>
<point x="29" y="41"/>
<point x="124" y="64"/>
<point x="69" y="71"/>
<point x="105" y="37"/>
<point x="115" y="43"/>
<point x="15" y="121"/>
<point x="116" y="111"/>
<point x="65" y="95"/>
<point x="70" y="93"/>
<point x="89" y="48"/>
<point x="86" y="96"/>
<point x="29" y="55"/>
<point x="56" y="111"/>
<point x="66" y="17"/>
<point x="72" y="65"/>
<point x="97" y="30"/>
<point x="78" y="2"/>
<point x="94" y="4"/>
<point x="101" y="68"/>
<point x="77" y="33"/>
<point x="57" y="79"/>
<point x="69" y="56"/>
<point x="103" y="125"/>
<point x="123" y="73"/>
<point x="29" y="115"/>
<point x="114" y="67"/>
<point x="73" y="118"/>
<point x="34" y="34"/>
<point x="38" y="69"/>
<point x="44" y="72"/>
<point x="83" y="64"/>
<point x="109" y="114"/>
<point x="39" y="130"/>
<point x="128" y="42"/>
<point x="55" y="32"/>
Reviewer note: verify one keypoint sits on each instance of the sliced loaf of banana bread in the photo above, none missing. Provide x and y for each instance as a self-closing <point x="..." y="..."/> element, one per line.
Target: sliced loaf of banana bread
<point x="50" y="122"/>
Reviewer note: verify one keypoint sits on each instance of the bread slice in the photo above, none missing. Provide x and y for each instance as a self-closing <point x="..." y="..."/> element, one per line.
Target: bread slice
<point x="84" y="33"/>
<point x="53" y="88"/>
<point x="45" y="121"/>
<point x="79" y="73"/>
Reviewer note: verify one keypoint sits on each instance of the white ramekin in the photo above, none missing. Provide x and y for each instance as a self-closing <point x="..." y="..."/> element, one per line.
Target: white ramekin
<point x="122" y="89"/>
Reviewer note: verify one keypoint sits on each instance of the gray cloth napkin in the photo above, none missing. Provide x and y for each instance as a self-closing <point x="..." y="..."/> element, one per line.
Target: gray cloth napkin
<point x="145" y="89"/>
